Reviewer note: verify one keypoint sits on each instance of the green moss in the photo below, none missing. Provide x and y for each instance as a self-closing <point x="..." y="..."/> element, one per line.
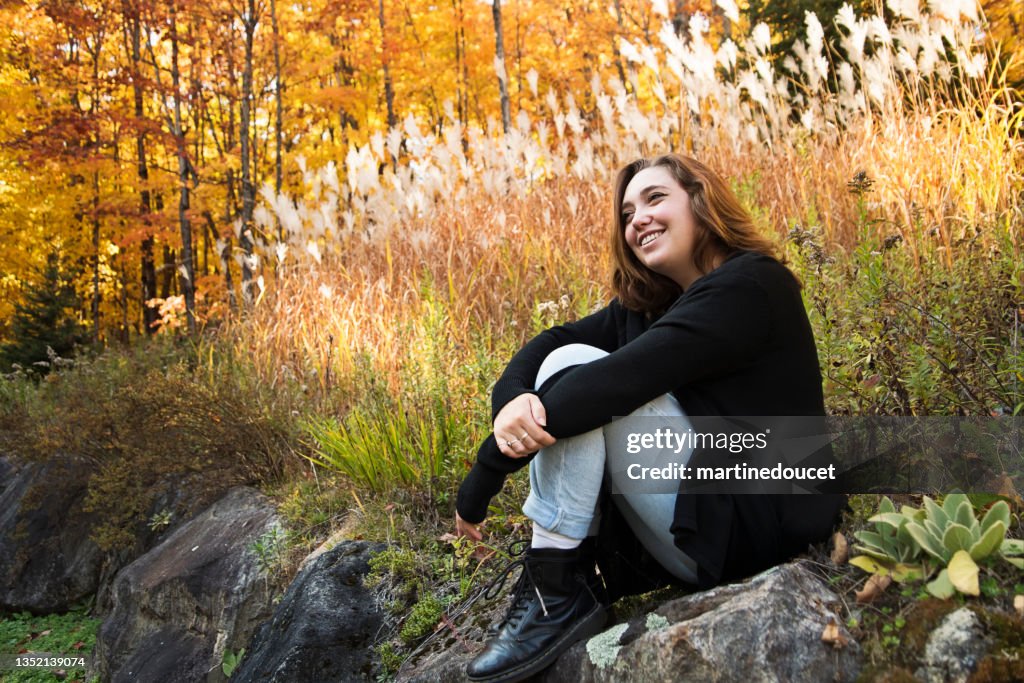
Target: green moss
<point x="422" y="619"/>
<point x="922" y="618"/>
<point x="396" y="565"/>
<point x="389" y="657"/>
<point x="1005" y="660"/>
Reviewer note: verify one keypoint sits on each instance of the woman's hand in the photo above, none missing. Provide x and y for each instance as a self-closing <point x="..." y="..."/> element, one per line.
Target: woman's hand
<point x="519" y="427"/>
<point x="467" y="529"/>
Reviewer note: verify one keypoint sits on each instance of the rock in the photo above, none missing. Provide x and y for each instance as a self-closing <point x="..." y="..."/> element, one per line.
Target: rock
<point x="325" y="626"/>
<point x="768" y="628"/>
<point x="176" y="610"/>
<point x="47" y="560"/>
<point x="954" y="648"/>
<point x="339" y="535"/>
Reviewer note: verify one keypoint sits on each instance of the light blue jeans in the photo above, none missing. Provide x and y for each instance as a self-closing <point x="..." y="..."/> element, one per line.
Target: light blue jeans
<point x="565" y="479"/>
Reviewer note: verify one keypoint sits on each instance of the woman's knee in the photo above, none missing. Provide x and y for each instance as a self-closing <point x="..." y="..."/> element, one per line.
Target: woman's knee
<point x="565" y="357"/>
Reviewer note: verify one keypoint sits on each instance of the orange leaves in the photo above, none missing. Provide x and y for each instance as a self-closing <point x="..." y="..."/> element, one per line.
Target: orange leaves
<point x="873" y="588"/>
<point x="840" y="549"/>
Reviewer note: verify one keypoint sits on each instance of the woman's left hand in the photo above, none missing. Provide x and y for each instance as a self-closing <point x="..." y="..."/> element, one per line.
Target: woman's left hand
<point x="519" y="427"/>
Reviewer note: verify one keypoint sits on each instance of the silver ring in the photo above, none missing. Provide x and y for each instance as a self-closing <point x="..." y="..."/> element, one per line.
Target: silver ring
<point x="526" y="434"/>
<point x="509" y="443"/>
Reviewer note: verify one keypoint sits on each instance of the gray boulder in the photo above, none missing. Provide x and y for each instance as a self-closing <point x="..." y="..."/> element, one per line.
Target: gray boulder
<point x="47" y="561"/>
<point x="179" y="608"/>
<point x="325" y="626"/>
<point x="954" y="648"/>
<point x="768" y="628"/>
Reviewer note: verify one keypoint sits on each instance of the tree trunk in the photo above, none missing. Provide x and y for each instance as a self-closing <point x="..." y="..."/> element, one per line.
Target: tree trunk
<point x="147" y="270"/>
<point x="187" y="272"/>
<point x="225" y="252"/>
<point x="167" y="273"/>
<point x="279" y="113"/>
<point x="499" y="53"/>
<point x="615" y="47"/>
<point x="389" y="90"/>
<point x="246" y="240"/>
<point x="96" y="255"/>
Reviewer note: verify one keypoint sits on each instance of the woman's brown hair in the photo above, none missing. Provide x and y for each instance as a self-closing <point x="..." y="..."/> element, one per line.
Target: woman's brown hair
<point x="723" y="227"/>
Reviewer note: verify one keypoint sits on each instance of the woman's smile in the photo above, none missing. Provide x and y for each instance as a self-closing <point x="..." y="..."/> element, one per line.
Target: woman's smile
<point x="648" y="237"/>
<point x="659" y="225"/>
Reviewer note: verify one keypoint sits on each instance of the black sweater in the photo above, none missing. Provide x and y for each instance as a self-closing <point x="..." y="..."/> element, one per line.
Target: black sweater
<point x="737" y="342"/>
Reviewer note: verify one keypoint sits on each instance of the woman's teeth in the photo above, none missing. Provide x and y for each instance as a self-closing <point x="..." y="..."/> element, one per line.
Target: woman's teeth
<point x="650" y="237"/>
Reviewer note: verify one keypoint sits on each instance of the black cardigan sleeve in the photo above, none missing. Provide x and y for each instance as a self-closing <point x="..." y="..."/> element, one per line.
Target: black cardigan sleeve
<point x="598" y="329"/>
<point x="720" y="324"/>
<point x="487" y="476"/>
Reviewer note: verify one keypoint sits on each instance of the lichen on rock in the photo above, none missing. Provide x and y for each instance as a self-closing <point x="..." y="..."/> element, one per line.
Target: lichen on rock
<point x="656" y="622"/>
<point x="604" y="647"/>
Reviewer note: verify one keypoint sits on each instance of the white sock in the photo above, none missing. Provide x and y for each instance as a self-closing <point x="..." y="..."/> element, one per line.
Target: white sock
<point x="543" y="538"/>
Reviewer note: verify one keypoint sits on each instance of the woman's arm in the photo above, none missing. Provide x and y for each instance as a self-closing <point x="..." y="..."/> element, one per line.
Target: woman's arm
<point x="597" y="329"/>
<point x="488" y="474"/>
<point x="718" y="327"/>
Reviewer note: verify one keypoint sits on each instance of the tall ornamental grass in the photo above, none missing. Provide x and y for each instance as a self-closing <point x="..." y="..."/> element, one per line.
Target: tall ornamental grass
<point x="888" y="166"/>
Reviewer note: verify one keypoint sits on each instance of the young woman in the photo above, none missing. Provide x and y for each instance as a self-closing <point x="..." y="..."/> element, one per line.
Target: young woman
<point x="705" y="322"/>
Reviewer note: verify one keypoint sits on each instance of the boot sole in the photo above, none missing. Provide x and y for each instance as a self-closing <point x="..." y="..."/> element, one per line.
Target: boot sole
<point x="587" y="627"/>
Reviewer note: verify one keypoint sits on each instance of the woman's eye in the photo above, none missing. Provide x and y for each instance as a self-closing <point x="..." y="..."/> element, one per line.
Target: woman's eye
<point x="626" y="218"/>
<point x="655" y="195"/>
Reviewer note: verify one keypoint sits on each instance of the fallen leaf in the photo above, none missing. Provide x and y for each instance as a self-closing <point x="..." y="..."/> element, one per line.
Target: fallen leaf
<point x="833" y="636"/>
<point x="840" y="549"/>
<point x="1018" y="604"/>
<point x="448" y="538"/>
<point x="869" y="564"/>
<point x="874" y="587"/>
<point x="1006" y="488"/>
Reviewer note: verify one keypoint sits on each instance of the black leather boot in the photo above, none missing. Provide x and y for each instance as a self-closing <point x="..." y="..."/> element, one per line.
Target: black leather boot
<point x="552" y="607"/>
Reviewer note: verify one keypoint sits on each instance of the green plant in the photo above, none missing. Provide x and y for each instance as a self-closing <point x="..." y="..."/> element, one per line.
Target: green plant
<point x="889" y="549"/>
<point x="269" y="550"/>
<point x="390" y="659"/>
<point x="944" y="530"/>
<point x="45" y="327"/>
<point x="422" y="619"/>
<point x="951" y="534"/>
<point x="231" y="661"/>
<point x="160" y="520"/>
<point x="386" y="443"/>
<point x="912" y="543"/>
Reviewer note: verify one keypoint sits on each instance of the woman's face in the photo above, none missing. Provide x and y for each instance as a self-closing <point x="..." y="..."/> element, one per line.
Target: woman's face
<point x="659" y="226"/>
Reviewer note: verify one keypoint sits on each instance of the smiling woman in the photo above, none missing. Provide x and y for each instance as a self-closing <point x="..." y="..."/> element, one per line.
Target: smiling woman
<point x="706" y="322"/>
<point x="659" y="226"/>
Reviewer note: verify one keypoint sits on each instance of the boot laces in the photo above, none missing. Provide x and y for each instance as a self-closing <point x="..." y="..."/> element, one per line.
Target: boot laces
<point x="523" y="590"/>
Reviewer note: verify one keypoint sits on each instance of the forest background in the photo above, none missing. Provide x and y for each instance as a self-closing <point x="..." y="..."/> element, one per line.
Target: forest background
<point x="293" y="244"/>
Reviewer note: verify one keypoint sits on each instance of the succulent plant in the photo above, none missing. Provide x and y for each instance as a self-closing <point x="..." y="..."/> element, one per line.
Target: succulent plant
<point x="952" y="526"/>
<point x="890" y="542"/>
<point x="912" y="543"/>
